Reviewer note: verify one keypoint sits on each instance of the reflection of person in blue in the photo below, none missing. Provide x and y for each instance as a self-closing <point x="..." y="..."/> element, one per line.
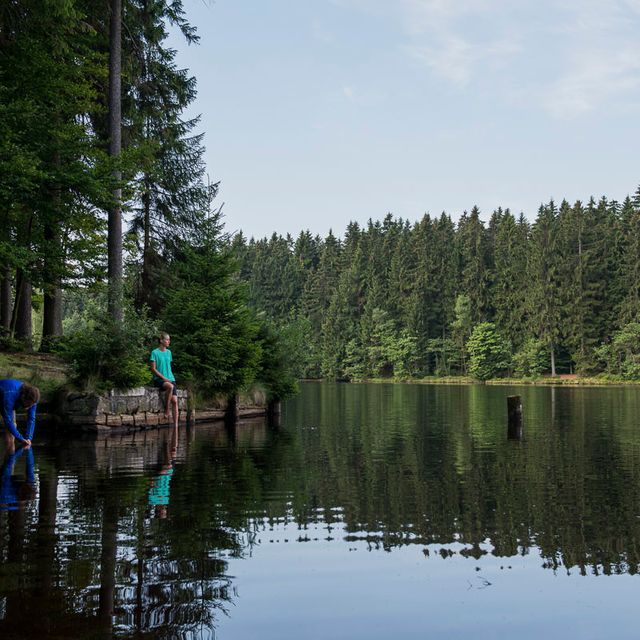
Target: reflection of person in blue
<point x="161" y="484"/>
<point x="15" y="394"/>
<point x="12" y="490"/>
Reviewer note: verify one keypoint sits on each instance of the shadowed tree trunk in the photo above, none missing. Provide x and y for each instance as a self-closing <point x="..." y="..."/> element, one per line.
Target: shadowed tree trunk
<point x="5" y="299"/>
<point x="114" y="242"/>
<point x="21" y="322"/>
<point x="52" y="321"/>
<point x="52" y="307"/>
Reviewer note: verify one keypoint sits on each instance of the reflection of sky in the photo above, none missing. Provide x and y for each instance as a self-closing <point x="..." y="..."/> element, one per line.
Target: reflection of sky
<point x="337" y="589"/>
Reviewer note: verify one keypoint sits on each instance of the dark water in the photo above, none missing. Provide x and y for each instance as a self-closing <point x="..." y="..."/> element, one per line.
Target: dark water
<point x="371" y="511"/>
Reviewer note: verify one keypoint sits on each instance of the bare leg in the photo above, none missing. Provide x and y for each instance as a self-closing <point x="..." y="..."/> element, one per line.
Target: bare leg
<point x="174" y="404"/>
<point x="9" y="443"/>
<point x="167" y="387"/>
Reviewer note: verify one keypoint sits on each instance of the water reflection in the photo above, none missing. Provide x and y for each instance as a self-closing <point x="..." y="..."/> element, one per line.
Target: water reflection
<point x="15" y="491"/>
<point x="135" y="535"/>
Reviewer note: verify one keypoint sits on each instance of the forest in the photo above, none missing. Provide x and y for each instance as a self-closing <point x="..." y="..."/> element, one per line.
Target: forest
<point x="395" y="299"/>
<point x="110" y="233"/>
<point x="109" y="230"/>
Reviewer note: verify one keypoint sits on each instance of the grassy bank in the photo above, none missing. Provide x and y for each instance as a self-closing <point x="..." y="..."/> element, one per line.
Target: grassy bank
<point x="48" y="372"/>
<point x="572" y="381"/>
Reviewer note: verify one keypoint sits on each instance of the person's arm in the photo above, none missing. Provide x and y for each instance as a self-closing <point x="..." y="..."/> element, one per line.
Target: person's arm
<point x="30" y="466"/>
<point x="31" y="421"/>
<point x="155" y="371"/>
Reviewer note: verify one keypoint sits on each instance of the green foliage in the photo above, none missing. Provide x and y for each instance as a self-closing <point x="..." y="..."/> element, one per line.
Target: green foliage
<point x="401" y="351"/>
<point x="488" y="352"/>
<point x="622" y="356"/>
<point x="531" y="361"/>
<point x="445" y="354"/>
<point x="462" y="327"/>
<point x="279" y="348"/>
<point x="105" y="355"/>
<point x="214" y="334"/>
<point x="354" y="365"/>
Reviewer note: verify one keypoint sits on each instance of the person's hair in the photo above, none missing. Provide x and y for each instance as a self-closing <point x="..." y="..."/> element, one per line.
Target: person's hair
<point x="163" y="335"/>
<point x="29" y="394"/>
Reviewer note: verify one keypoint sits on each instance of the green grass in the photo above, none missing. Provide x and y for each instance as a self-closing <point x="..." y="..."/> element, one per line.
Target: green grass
<point x="47" y="372"/>
<point x="595" y="381"/>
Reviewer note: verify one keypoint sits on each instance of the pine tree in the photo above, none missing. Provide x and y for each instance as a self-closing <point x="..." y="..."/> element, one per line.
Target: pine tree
<point x="544" y="295"/>
<point x="473" y="254"/>
<point x="509" y="277"/>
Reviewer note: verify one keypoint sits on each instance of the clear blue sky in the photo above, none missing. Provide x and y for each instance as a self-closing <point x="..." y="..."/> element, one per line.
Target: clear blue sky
<point x="320" y="112"/>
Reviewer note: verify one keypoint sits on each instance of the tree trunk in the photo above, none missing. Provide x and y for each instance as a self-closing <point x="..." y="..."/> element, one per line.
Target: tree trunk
<point x="52" y="320"/>
<point x="114" y="242"/>
<point x="52" y="307"/>
<point x="21" y="321"/>
<point x="5" y="299"/>
<point x="553" y="362"/>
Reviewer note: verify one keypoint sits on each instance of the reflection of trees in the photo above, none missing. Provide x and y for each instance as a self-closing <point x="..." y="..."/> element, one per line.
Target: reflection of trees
<point x="396" y="464"/>
<point x="97" y="563"/>
<point x="428" y="464"/>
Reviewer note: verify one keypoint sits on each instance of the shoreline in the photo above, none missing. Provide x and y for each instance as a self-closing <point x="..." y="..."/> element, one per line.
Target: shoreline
<point x="505" y="382"/>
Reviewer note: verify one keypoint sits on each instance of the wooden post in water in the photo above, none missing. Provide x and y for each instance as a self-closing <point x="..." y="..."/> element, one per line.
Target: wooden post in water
<point x="274" y="413"/>
<point x="514" y="409"/>
<point x="231" y="413"/>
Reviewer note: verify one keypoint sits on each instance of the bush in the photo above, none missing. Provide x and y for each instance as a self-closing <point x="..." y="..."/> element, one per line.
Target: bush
<point x="531" y="360"/>
<point x="488" y="352"/>
<point x="276" y="366"/>
<point x="105" y="356"/>
<point x="622" y="356"/>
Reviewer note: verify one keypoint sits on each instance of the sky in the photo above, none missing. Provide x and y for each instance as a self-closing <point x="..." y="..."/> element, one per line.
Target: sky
<point x="317" y="113"/>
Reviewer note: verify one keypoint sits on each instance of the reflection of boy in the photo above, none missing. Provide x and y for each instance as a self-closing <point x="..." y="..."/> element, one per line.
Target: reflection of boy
<point x="161" y="484"/>
<point x="160" y="490"/>
<point x="163" y="377"/>
<point x="12" y="490"/>
<point x="15" y="394"/>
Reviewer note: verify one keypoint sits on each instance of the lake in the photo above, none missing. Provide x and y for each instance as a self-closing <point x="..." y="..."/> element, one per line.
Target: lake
<point x="369" y="511"/>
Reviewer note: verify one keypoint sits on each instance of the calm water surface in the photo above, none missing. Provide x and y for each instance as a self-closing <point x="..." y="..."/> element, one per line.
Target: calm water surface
<point x="371" y="510"/>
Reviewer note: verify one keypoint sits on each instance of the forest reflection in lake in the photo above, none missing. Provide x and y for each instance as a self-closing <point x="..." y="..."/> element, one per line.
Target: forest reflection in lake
<point x="370" y="510"/>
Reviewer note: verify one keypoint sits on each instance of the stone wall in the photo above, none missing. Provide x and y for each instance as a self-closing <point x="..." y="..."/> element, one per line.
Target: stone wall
<point x="141" y="407"/>
<point x="144" y="407"/>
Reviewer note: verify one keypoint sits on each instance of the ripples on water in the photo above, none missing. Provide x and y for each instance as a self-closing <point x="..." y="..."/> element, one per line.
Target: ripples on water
<point x="371" y="510"/>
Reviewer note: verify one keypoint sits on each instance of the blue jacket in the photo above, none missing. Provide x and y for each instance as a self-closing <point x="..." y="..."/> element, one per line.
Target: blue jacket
<point x="8" y="484"/>
<point x="9" y="402"/>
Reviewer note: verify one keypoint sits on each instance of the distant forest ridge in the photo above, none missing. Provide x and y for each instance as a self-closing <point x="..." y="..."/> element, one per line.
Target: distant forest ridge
<point x="560" y="294"/>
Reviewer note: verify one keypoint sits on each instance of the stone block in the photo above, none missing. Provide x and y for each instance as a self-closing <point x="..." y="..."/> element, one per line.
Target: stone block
<point x="127" y="420"/>
<point x="119" y="393"/>
<point x="151" y="419"/>
<point x="114" y="421"/>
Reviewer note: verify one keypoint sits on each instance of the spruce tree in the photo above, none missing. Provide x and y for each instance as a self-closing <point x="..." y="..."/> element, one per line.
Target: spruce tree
<point x="544" y="293"/>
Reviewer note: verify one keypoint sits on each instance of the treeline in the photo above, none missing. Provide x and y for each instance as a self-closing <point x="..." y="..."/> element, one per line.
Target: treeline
<point x="104" y="198"/>
<point x="560" y="294"/>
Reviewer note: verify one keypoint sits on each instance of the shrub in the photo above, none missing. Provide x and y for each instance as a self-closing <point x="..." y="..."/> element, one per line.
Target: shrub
<point x="488" y="352"/>
<point x="104" y="355"/>
<point x="531" y="359"/>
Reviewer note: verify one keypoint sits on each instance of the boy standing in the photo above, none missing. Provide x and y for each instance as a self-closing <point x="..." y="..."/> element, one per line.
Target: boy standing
<point x="163" y="377"/>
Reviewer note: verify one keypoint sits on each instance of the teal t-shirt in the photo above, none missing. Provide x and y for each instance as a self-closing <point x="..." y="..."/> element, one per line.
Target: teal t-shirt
<point x="163" y="363"/>
<point x="160" y="488"/>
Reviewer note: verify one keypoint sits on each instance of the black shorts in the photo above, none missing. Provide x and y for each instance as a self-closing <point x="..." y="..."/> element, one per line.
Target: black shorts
<point x="159" y="384"/>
